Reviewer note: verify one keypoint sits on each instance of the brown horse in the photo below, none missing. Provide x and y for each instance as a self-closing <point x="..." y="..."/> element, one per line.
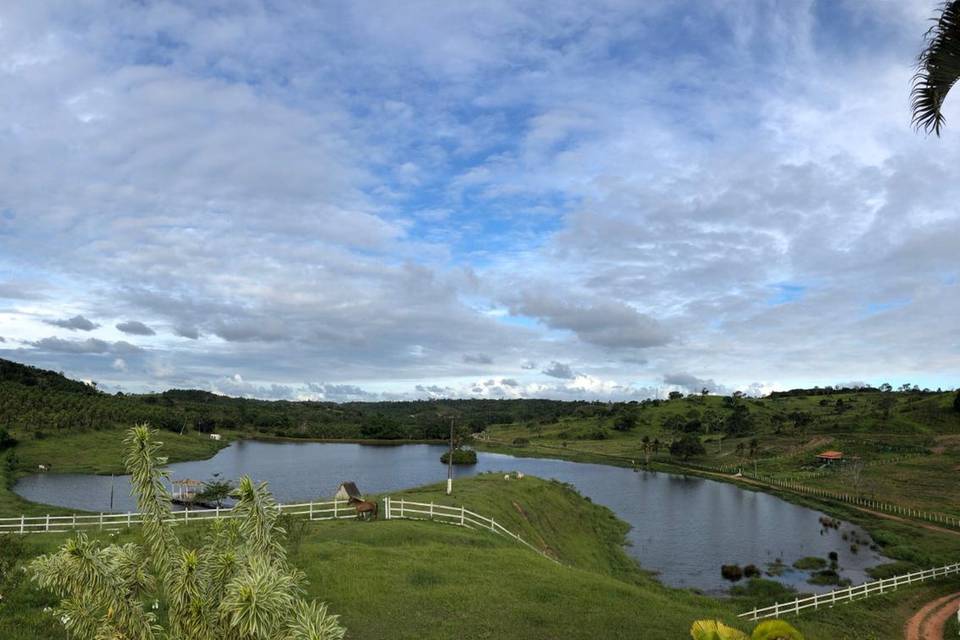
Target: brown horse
<point x="365" y="509"/>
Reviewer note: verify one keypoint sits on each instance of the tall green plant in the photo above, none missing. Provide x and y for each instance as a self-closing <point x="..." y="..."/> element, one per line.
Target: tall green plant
<point x="237" y="585"/>
<point x="767" y="630"/>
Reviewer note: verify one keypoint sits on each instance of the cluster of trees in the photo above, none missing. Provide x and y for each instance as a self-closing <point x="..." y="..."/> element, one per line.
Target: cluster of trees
<point x="45" y="402"/>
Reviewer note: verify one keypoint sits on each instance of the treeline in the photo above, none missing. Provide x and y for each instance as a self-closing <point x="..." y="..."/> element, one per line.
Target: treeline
<point x="39" y="404"/>
<point x="43" y="403"/>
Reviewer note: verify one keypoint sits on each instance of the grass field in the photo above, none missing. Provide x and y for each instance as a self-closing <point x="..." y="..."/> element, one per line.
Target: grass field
<point x="405" y="579"/>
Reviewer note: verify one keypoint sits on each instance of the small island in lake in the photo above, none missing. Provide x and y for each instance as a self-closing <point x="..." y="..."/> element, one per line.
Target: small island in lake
<point x="460" y="456"/>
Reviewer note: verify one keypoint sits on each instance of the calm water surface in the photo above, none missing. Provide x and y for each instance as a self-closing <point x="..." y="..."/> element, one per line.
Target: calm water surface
<point x="684" y="528"/>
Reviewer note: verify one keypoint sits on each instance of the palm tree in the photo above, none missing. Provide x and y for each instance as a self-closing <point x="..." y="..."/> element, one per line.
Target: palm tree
<point x="938" y="68"/>
<point x="237" y="586"/>
<point x="767" y="630"/>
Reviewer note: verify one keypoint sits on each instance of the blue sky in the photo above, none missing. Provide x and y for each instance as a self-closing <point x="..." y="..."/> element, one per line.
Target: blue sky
<point x="481" y="199"/>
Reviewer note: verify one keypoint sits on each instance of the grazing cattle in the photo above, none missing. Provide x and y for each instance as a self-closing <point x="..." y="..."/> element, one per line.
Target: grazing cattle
<point x="42" y="467"/>
<point x="506" y="477"/>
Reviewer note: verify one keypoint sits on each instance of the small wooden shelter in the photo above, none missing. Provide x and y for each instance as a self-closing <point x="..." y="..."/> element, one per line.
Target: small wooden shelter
<point x="348" y="491"/>
<point x="830" y="457"/>
<point x="186" y="490"/>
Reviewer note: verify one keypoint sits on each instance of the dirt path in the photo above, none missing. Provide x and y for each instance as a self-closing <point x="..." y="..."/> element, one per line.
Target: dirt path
<point x="928" y="623"/>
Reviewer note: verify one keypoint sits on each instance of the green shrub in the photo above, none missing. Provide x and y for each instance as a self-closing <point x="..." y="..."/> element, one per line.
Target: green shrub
<point x="520" y="442"/>
<point x="460" y="456"/>
<point x="731" y="572"/>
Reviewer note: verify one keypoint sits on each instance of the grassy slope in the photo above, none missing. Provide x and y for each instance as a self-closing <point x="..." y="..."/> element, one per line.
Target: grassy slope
<point x="404" y="579"/>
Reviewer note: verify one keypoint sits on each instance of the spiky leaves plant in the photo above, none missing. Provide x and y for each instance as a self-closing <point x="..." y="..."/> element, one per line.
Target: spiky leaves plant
<point x="236" y="586"/>
<point x="766" y="630"/>
<point x="938" y="68"/>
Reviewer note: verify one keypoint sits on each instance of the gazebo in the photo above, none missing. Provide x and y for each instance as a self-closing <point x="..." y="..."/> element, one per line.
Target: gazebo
<point x="186" y="490"/>
<point x="830" y="457"/>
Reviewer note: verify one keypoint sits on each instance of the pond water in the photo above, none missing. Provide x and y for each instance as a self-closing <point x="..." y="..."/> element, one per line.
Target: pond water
<point x="683" y="527"/>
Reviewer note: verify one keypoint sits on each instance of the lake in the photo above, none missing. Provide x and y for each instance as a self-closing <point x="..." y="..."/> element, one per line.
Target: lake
<point x="683" y="527"/>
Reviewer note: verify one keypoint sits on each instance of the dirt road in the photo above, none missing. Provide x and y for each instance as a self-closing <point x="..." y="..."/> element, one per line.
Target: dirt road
<point x="928" y="623"/>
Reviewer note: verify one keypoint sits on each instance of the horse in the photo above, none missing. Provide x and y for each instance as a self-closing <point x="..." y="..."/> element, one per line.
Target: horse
<point x="365" y="509"/>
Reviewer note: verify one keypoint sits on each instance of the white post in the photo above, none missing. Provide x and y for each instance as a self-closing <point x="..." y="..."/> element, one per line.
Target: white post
<point x="386" y="508"/>
<point x="462" y="512"/>
<point x="217" y="514"/>
<point x="129" y="518"/>
<point x="48" y="522"/>
<point x="101" y="520"/>
<point x="431" y="509"/>
<point x="334" y="508"/>
<point x="23" y="522"/>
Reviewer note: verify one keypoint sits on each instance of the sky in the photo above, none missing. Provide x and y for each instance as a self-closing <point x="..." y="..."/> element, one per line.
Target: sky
<point x="362" y="200"/>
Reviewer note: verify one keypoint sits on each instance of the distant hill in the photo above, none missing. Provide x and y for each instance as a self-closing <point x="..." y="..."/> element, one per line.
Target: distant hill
<point x="36" y="401"/>
<point x="42" y="403"/>
<point x="33" y="377"/>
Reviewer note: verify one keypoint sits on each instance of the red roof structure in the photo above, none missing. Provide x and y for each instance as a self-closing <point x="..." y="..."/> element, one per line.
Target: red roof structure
<point x="830" y="456"/>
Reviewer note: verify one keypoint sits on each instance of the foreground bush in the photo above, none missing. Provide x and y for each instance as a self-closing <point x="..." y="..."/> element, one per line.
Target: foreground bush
<point x="237" y="586"/>
<point x="768" y="630"/>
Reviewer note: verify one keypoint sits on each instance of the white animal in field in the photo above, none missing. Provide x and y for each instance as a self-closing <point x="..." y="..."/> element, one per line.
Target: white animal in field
<point x="41" y="467"/>
<point x="506" y="477"/>
<point x="519" y="475"/>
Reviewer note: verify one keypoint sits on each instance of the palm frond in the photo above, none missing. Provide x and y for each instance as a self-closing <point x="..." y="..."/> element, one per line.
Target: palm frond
<point x="938" y="69"/>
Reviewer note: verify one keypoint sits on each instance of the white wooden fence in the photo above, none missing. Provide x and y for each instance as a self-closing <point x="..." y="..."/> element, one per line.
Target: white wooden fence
<point x="329" y="510"/>
<point x="849" y="594"/>
<point x="460" y="516"/>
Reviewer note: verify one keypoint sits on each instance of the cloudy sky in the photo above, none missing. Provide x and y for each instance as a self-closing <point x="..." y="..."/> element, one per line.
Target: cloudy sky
<point x="492" y="199"/>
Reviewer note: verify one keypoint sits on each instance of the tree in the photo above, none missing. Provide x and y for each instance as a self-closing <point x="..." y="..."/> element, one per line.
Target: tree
<point x="956" y="402"/>
<point x="938" y="68"/>
<point x="215" y="491"/>
<point x="6" y="440"/>
<point x="687" y="447"/>
<point x="625" y="422"/>
<point x="647" y="448"/>
<point x="675" y="395"/>
<point x="886" y="403"/>
<point x="237" y="586"/>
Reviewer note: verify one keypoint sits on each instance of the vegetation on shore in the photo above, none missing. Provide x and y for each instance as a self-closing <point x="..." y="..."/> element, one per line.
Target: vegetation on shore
<point x="904" y="446"/>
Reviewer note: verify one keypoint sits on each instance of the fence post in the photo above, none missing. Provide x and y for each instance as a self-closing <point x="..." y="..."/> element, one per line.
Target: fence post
<point x="74" y="523"/>
<point x="48" y="522"/>
<point x="101" y="521"/>
<point x="23" y="522"/>
<point x="335" y="510"/>
<point x="462" y="514"/>
<point x="217" y="514"/>
<point x="431" y="509"/>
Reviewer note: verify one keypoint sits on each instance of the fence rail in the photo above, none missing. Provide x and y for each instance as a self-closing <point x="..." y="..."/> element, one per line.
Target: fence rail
<point x="328" y="510"/>
<point x="325" y="510"/>
<point x="460" y="516"/>
<point x="933" y="517"/>
<point x="849" y="594"/>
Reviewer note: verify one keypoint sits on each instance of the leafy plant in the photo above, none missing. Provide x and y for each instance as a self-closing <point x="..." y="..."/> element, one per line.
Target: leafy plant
<point x="236" y="586"/>
<point x="938" y="68"/>
<point x="767" y="630"/>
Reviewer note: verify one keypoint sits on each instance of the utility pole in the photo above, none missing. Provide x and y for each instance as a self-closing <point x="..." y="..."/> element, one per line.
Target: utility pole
<point x="450" y="461"/>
